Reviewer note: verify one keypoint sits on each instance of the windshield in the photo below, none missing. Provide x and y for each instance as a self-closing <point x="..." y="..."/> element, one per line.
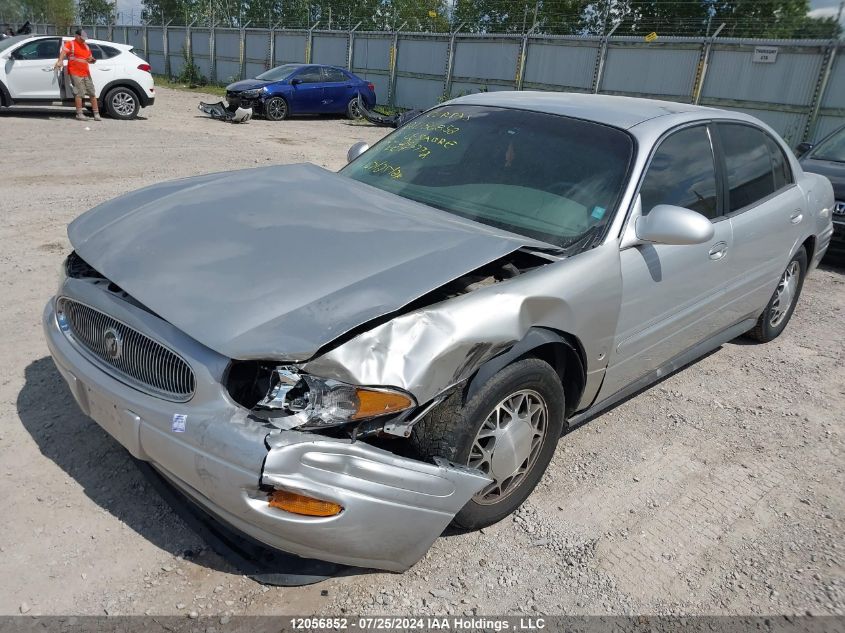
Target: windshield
<point x="548" y="177"/>
<point x="278" y="73"/>
<point x="832" y="148"/>
<point x="11" y="41"/>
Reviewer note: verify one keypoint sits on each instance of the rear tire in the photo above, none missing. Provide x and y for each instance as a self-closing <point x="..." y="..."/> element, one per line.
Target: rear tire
<point x="276" y="109"/>
<point x="499" y="418"/>
<point x="779" y="310"/>
<point x="352" y="110"/>
<point x="122" y="103"/>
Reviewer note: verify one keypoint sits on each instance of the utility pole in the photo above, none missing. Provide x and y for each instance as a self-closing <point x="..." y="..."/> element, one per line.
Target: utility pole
<point x="839" y="18"/>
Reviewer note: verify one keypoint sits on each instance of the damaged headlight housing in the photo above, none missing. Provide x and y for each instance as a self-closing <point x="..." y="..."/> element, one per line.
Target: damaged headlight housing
<point x="301" y="400"/>
<point x="251" y="94"/>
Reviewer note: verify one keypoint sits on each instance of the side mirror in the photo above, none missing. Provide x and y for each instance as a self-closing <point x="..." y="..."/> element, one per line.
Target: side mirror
<point x="803" y="148"/>
<point x="667" y="224"/>
<point x="356" y="150"/>
<point x="295" y="81"/>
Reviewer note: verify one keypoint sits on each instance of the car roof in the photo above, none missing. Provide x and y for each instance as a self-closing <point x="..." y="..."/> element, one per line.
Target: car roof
<point x="622" y="112"/>
<point x="119" y="45"/>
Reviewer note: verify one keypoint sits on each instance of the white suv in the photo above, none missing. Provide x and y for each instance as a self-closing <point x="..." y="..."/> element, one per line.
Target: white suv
<point x="121" y="78"/>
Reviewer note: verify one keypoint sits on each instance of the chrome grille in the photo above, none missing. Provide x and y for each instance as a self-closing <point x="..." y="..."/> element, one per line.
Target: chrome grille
<point x="126" y="353"/>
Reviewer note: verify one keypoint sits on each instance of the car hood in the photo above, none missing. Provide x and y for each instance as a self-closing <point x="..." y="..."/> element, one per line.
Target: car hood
<point x="277" y="262"/>
<point x="246" y="84"/>
<point x="835" y="172"/>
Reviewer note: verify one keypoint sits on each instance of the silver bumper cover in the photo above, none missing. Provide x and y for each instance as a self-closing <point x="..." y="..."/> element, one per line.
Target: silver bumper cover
<point x="394" y="507"/>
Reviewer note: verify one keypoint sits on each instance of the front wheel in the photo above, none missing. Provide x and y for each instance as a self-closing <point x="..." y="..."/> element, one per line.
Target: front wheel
<point x="276" y="109"/>
<point x="122" y="103"/>
<point x="508" y="430"/>
<point x="782" y="304"/>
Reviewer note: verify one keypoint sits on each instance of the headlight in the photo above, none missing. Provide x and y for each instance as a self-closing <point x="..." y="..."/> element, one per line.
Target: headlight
<point x="312" y="402"/>
<point x="251" y="94"/>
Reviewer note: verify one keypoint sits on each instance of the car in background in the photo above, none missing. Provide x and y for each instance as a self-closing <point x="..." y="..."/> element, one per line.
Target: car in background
<point x="827" y="157"/>
<point x="122" y="79"/>
<point x="302" y="89"/>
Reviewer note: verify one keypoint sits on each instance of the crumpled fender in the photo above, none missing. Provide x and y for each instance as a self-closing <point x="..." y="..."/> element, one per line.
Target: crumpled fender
<point x="431" y="349"/>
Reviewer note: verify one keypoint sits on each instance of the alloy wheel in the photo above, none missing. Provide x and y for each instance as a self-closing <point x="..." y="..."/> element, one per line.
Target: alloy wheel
<point x="123" y="103"/>
<point x="276" y="109"/>
<point x="785" y="293"/>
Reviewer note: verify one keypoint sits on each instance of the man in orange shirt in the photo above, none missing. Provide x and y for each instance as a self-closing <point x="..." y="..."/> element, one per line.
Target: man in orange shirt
<point x="79" y="57"/>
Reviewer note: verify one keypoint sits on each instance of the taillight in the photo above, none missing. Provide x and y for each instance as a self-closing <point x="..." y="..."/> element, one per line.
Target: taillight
<point x="145" y="67"/>
<point x="371" y="87"/>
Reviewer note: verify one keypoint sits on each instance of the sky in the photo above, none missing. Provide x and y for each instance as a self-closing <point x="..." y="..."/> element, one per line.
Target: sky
<point x="819" y="8"/>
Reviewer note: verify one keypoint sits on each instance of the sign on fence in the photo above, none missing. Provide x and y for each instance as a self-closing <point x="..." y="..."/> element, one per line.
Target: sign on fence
<point x="765" y="54"/>
<point x="650" y="37"/>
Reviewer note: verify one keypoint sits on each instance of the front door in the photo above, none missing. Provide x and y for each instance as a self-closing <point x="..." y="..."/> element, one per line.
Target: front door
<point x="29" y="70"/>
<point x="672" y="295"/>
<point x="307" y="93"/>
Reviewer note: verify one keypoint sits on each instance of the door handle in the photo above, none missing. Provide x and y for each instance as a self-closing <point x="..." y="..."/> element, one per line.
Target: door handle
<point x="104" y="69"/>
<point x="47" y="69"/>
<point x="718" y="251"/>
<point x="796" y="217"/>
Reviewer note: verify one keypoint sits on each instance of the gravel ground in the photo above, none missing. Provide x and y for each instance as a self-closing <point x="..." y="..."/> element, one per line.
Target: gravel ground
<point x="717" y="491"/>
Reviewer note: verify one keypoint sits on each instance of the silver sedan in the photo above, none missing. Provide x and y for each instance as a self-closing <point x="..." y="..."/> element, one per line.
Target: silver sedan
<point x="342" y="364"/>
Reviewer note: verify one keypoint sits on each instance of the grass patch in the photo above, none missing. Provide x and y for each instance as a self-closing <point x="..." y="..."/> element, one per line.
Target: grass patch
<point x="164" y="82"/>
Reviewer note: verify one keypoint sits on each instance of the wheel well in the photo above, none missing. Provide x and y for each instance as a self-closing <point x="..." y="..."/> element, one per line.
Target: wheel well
<point x="566" y="361"/>
<point x="5" y="98"/>
<point x="559" y="349"/>
<point x="810" y="246"/>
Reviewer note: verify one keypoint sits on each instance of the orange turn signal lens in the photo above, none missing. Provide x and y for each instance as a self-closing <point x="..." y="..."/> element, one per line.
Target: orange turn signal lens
<point x="372" y="404"/>
<point x="300" y="504"/>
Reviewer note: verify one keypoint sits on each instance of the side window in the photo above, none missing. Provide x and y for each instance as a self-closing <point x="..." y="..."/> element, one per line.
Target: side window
<point x="335" y="76"/>
<point x="108" y="51"/>
<point x="39" y="49"/>
<point x="682" y="173"/>
<point x="96" y="51"/>
<point x="780" y="164"/>
<point x="310" y="75"/>
<point x="753" y="170"/>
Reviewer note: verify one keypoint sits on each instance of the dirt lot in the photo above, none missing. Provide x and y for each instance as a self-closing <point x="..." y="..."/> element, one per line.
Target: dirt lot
<point x="720" y="490"/>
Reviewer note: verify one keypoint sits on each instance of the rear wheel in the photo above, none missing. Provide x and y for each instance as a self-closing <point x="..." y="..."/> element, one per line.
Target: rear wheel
<point x="276" y="109"/>
<point x="122" y="103"/>
<point x="782" y="304"/>
<point x="352" y="109"/>
<point x="508" y="430"/>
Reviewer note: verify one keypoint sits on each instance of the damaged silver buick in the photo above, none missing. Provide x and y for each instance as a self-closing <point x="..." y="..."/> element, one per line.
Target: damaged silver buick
<point x="341" y="364"/>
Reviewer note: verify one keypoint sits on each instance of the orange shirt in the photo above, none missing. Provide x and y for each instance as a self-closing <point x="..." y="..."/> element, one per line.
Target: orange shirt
<point x="81" y="51"/>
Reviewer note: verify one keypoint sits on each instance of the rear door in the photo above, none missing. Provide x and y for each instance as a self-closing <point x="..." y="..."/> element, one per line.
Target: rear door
<point x="672" y="295"/>
<point x="29" y="71"/>
<point x="336" y="90"/>
<point x="105" y="69"/>
<point x="766" y="209"/>
<point x="307" y="93"/>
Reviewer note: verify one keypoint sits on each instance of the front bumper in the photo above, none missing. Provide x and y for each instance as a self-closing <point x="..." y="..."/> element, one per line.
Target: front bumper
<point x="394" y="507"/>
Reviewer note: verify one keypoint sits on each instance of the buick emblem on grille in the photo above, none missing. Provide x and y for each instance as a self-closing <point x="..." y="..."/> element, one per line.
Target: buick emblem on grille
<point x="839" y="208"/>
<point x="113" y="343"/>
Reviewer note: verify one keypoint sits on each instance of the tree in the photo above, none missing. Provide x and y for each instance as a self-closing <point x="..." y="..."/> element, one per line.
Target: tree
<point x="95" y="12"/>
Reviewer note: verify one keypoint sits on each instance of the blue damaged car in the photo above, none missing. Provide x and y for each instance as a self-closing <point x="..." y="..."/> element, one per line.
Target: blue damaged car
<point x="301" y="89"/>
